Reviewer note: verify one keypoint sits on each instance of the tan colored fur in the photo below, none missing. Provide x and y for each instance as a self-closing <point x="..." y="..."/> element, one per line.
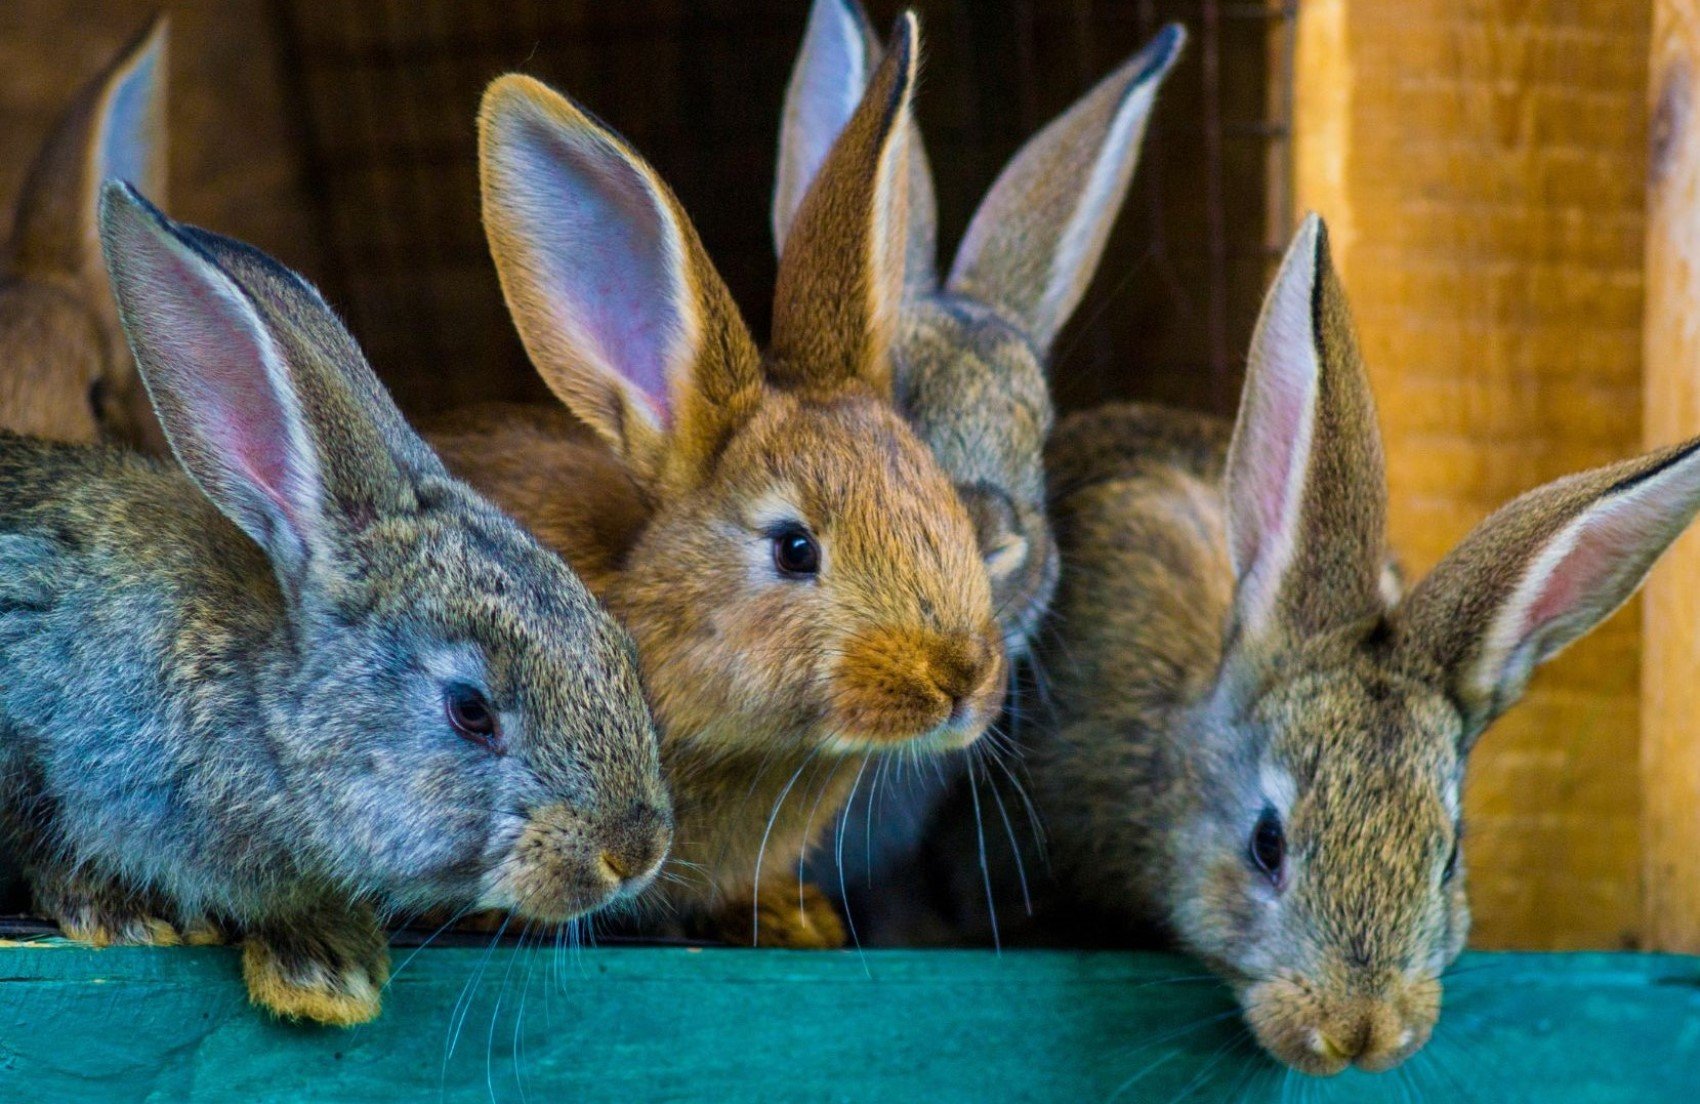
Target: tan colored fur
<point x="771" y="694"/>
<point x="65" y="371"/>
<point x="1219" y="658"/>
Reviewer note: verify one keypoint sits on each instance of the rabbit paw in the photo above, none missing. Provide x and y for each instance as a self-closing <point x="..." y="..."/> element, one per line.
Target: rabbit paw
<point x="104" y="914"/>
<point x="783" y="917"/>
<point x="329" y="975"/>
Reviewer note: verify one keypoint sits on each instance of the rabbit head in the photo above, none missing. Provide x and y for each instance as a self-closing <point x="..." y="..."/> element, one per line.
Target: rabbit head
<point x="65" y="371"/>
<point x="971" y="353"/>
<point x="1319" y="867"/>
<point x="804" y="572"/>
<point x="453" y="717"/>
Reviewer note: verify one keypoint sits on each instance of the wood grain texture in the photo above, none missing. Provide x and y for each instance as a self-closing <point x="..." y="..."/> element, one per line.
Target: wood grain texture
<point x="1670" y="680"/>
<point x="651" y="1025"/>
<point x="1481" y="165"/>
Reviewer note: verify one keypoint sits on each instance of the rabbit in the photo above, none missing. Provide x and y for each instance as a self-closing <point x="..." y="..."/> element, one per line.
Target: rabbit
<point x="314" y="680"/>
<point x="803" y="584"/>
<point x="1256" y="746"/>
<point x="65" y="370"/>
<point x="970" y="359"/>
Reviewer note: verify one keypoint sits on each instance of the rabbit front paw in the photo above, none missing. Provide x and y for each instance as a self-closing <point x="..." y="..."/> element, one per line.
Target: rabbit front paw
<point x="782" y="916"/>
<point x="326" y="969"/>
<point x="102" y="913"/>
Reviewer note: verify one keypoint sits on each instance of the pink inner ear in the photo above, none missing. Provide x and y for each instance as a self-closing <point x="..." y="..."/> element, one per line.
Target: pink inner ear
<point x="214" y="367"/>
<point x="1270" y="457"/>
<point x="1280" y="427"/>
<point x="603" y="252"/>
<point x="1599" y="552"/>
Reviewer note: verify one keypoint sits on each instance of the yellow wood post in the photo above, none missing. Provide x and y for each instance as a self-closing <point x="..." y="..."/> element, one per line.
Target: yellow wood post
<point x="1481" y="165"/>
<point x="1671" y="673"/>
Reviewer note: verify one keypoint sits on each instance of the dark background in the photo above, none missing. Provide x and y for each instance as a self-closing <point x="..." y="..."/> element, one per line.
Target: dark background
<point x="338" y="135"/>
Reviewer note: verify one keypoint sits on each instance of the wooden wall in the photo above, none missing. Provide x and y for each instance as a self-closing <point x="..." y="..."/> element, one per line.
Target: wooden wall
<point x="1670" y="762"/>
<point x="1481" y="163"/>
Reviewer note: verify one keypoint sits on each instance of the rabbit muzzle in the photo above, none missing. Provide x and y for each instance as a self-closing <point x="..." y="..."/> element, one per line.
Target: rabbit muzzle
<point x="1319" y="1032"/>
<point x="564" y="864"/>
<point x="898" y="687"/>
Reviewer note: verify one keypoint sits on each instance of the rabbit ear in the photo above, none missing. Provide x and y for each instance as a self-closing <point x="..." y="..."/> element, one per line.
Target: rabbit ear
<point x="833" y="67"/>
<point x="1305" y="482"/>
<point x="841" y="272"/>
<point x="114" y="130"/>
<point x="262" y="395"/>
<point x="1036" y="240"/>
<point x="1543" y="571"/>
<point x="617" y="304"/>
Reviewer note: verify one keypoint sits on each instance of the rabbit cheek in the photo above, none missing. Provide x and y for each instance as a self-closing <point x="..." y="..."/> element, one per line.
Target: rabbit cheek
<point x="892" y="686"/>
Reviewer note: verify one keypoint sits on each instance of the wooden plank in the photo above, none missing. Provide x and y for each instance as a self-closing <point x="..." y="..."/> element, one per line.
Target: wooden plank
<point x="1670" y="696"/>
<point x="1481" y="168"/>
<point x="651" y="1024"/>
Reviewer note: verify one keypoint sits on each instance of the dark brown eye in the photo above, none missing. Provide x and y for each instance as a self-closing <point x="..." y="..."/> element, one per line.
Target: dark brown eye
<point x="1269" y="846"/>
<point x="1451" y="870"/>
<point x="795" y="552"/>
<point x="471" y="716"/>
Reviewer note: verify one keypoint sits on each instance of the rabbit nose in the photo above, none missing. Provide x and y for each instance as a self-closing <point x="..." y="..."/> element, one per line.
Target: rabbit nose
<point x="973" y="686"/>
<point x="1376" y="1038"/>
<point x="637" y="844"/>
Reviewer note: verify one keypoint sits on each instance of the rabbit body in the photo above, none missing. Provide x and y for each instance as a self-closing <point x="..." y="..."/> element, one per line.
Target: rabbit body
<point x="314" y="679"/>
<point x="971" y="360"/>
<point x="803" y="584"/>
<point x="1254" y="745"/>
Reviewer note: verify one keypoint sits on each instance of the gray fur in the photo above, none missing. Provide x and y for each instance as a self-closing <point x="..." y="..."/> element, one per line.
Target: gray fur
<point x="190" y="724"/>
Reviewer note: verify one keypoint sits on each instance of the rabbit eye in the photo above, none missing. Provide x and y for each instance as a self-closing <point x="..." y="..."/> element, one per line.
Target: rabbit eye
<point x="471" y="717"/>
<point x="1269" y="846"/>
<point x="795" y="552"/>
<point x="1451" y="869"/>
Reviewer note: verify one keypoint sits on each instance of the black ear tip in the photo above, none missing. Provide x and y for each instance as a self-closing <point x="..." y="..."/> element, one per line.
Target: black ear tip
<point x="851" y="8"/>
<point x="904" y="32"/>
<point x="1164" y="48"/>
<point x="1317" y="228"/>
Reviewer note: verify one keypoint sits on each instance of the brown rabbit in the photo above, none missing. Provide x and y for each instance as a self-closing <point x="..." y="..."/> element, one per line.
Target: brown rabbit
<point x="971" y="350"/>
<point x="971" y="359"/>
<point x="1255" y="748"/>
<point x="65" y="371"/>
<point x="802" y="583"/>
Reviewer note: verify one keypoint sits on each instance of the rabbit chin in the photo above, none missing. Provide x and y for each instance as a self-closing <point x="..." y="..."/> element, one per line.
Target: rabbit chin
<point x="1321" y="1033"/>
<point x="953" y="735"/>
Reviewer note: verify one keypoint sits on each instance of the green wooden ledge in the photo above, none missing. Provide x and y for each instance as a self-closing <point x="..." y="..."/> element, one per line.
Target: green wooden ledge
<point x="639" y="1024"/>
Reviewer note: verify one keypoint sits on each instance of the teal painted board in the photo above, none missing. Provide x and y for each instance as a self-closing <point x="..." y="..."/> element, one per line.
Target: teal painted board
<point x="672" y="1024"/>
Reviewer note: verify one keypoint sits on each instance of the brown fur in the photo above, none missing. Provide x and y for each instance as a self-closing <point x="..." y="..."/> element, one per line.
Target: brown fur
<point x="1217" y="655"/>
<point x="65" y="371"/>
<point x="771" y="693"/>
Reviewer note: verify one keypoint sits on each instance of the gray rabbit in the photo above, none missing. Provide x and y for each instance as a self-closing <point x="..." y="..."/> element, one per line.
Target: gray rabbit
<point x="1257" y="747"/>
<point x="313" y="682"/>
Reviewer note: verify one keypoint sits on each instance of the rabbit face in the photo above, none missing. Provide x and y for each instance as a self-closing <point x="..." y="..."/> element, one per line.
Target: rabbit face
<point x="827" y="566"/>
<point x="1334" y="897"/>
<point x="975" y="392"/>
<point x="490" y="698"/>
